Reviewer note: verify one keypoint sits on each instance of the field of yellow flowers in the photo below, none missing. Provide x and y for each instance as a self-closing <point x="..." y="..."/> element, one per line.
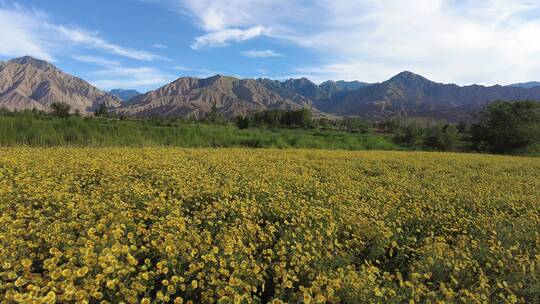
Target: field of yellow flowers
<point x="267" y="226"/>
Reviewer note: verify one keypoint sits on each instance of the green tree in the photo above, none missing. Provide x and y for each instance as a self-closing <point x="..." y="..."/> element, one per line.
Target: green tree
<point x="442" y="138"/>
<point x="101" y="110"/>
<point x="243" y="122"/>
<point x="409" y="134"/>
<point x="504" y="126"/>
<point x="60" y="109"/>
<point x="214" y="114"/>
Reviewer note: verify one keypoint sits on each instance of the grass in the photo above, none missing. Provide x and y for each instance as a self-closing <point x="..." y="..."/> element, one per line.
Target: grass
<point x="29" y="129"/>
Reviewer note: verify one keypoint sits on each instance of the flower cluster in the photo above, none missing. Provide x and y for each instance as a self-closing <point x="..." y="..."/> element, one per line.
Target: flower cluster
<point x="267" y="226"/>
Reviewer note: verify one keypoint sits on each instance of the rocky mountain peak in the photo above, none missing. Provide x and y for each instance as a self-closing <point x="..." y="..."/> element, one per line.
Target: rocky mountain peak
<point x="409" y="79"/>
<point x="28" y="83"/>
<point x="34" y="62"/>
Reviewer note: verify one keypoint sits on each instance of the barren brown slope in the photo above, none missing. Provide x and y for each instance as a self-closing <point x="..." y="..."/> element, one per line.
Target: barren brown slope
<point x="408" y="94"/>
<point x="193" y="97"/>
<point x="27" y="83"/>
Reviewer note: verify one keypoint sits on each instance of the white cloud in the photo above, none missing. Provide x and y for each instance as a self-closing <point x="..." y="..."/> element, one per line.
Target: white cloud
<point x="26" y="31"/>
<point x="462" y="41"/>
<point x="19" y="34"/>
<point x="96" y="60"/>
<point x="197" y="72"/>
<point x="260" y="54"/>
<point x="130" y="78"/>
<point x="222" y="37"/>
<point x="93" y="41"/>
<point x="160" y="46"/>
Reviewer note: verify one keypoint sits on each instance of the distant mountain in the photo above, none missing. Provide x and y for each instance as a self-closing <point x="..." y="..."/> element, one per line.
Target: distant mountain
<point x="408" y="94"/>
<point x="125" y="95"/>
<point x="306" y="88"/>
<point x="27" y="83"/>
<point x="278" y="87"/>
<point x="332" y="87"/>
<point x="526" y="85"/>
<point x="194" y="97"/>
<point x="302" y="87"/>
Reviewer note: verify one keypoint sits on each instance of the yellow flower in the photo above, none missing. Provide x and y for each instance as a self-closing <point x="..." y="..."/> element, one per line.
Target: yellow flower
<point x="80" y="295"/>
<point x="81" y="272"/>
<point x="178" y="300"/>
<point x="70" y="289"/>
<point x="320" y="299"/>
<point x="26" y="263"/>
<point x="66" y="272"/>
<point x="307" y="298"/>
<point x="226" y="225"/>
<point x="97" y="295"/>
<point x="111" y="284"/>
<point x="131" y="260"/>
<point x="50" y="297"/>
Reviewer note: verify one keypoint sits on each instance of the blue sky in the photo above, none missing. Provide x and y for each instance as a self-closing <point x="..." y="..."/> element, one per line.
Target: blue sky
<point x="143" y="44"/>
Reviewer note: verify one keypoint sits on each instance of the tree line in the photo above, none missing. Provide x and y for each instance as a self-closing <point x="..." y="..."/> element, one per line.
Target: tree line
<point x="501" y="127"/>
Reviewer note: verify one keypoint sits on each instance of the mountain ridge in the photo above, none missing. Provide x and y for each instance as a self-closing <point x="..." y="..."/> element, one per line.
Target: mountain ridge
<point x="527" y="85"/>
<point x="27" y="83"/>
<point x="195" y="97"/>
<point x="123" y="94"/>
<point x="409" y="94"/>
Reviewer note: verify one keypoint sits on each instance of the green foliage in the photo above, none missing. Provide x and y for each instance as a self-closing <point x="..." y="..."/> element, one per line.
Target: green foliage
<point x="443" y="138"/>
<point x="303" y="118"/>
<point x="243" y="122"/>
<point x="506" y="126"/>
<point x="101" y="110"/>
<point x="355" y="123"/>
<point x="426" y="133"/>
<point x="280" y="118"/>
<point x="31" y="129"/>
<point x="213" y="116"/>
<point x="60" y="109"/>
<point x="409" y="134"/>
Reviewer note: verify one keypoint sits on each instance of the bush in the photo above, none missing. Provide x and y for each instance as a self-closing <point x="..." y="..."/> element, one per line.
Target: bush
<point x="243" y="122"/>
<point x="60" y="109"/>
<point x="282" y="118"/>
<point x="505" y="126"/>
<point x="409" y="134"/>
<point x="101" y="110"/>
<point x="443" y="138"/>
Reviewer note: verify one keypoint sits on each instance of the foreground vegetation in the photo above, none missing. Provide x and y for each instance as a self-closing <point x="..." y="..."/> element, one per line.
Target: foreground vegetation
<point x="38" y="130"/>
<point x="502" y="127"/>
<point x="258" y="226"/>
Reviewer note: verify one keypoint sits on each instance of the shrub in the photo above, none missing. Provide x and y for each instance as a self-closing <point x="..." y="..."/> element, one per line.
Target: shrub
<point x="60" y="109"/>
<point x="505" y="126"/>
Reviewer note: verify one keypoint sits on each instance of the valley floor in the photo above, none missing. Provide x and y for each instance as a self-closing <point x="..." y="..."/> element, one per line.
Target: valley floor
<point x="267" y="225"/>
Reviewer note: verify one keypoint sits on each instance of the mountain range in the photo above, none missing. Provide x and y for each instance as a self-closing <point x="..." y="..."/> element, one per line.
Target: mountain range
<point x="124" y="95"/>
<point x="193" y="97"/>
<point x="27" y="83"/>
<point x="526" y="85"/>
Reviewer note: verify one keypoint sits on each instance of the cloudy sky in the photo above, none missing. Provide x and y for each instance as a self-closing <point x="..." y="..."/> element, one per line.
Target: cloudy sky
<point x="144" y="44"/>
